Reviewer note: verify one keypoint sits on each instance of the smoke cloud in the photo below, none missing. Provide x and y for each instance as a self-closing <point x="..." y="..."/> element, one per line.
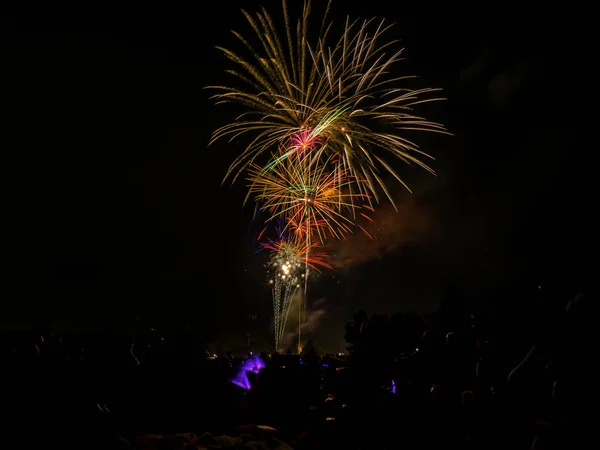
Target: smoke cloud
<point x="414" y="222"/>
<point x="313" y="318"/>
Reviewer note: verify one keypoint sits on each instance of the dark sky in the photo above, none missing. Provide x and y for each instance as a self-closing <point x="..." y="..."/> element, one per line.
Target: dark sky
<point x="114" y="202"/>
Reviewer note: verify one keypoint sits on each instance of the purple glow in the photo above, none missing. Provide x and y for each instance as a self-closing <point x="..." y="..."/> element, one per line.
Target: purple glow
<point x="325" y="365"/>
<point x="253" y="364"/>
<point x="393" y="387"/>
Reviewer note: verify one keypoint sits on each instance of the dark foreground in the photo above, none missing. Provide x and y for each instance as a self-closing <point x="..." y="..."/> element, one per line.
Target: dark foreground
<point x="427" y="389"/>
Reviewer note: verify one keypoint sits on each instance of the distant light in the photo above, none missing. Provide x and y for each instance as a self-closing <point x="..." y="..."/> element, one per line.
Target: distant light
<point x="325" y="365"/>
<point x="416" y="349"/>
<point x="539" y="287"/>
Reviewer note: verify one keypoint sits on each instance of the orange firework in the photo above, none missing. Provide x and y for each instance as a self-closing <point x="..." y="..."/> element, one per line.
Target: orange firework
<point x="308" y="191"/>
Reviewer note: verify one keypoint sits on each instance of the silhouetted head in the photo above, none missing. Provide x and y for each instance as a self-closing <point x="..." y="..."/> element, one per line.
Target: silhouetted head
<point x="580" y="320"/>
<point x="360" y="317"/>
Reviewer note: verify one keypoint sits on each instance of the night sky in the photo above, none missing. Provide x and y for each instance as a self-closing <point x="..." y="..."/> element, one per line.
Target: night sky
<point x="114" y="202"/>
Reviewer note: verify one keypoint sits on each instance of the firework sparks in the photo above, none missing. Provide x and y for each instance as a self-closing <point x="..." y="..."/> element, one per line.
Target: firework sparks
<point x="286" y="276"/>
<point x="288" y="269"/>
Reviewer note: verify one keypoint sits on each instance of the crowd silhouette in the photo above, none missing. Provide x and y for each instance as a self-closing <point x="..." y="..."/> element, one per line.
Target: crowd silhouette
<point x="461" y="379"/>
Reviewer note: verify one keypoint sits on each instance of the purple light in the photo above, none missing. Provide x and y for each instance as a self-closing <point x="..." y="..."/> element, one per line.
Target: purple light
<point x="393" y="387"/>
<point x="253" y="364"/>
<point x="325" y="365"/>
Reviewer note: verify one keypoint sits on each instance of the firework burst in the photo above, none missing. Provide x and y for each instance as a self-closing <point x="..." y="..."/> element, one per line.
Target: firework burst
<point x="308" y="192"/>
<point x="337" y="95"/>
<point x="326" y="120"/>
